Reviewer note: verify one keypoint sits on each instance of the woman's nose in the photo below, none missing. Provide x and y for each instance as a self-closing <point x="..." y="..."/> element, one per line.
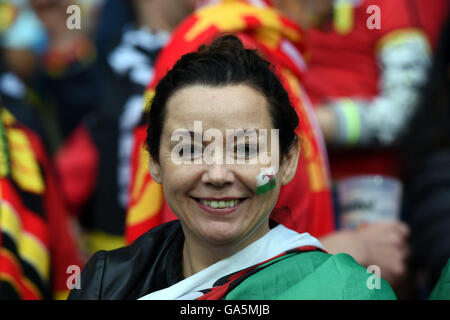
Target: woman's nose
<point x="218" y="175"/>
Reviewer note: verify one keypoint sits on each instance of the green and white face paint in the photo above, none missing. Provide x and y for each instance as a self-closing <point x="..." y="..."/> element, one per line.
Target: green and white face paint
<point x="265" y="181"/>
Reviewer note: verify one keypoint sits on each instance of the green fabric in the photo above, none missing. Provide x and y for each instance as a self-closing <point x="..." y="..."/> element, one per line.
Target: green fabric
<point x="441" y="290"/>
<point x="312" y="276"/>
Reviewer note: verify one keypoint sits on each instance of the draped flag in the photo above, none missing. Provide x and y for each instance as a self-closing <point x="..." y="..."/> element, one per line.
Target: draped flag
<point x="305" y="205"/>
<point x="36" y="246"/>
<point x="225" y="285"/>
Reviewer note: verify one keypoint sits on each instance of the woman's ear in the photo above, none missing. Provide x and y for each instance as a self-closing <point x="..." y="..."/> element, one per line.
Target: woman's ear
<point x="155" y="170"/>
<point x="289" y="163"/>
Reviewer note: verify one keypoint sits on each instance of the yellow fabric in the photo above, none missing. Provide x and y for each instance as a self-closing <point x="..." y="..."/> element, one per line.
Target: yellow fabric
<point x="33" y="251"/>
<point x="99" y="240"/>
<point x="61" y="295"/>
<point x="25" y="169"/>
<point x="30" y="248"/>
<point x="148" y="205"/>
<point x="232" y="17"/>
<point x="9" y="220"/>
<point x="344" y="19"/>
<point x="8" y="14"/>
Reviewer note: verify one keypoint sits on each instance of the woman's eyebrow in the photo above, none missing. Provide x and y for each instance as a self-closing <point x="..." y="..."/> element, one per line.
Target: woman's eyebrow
<point x="179" y="133"/>
<point x="243" y="133"/>
<point x="233" y="134"/>
<point x="187" y="133"/>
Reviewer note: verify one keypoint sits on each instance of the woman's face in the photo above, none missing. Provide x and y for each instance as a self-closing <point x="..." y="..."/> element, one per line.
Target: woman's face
<point x="214" y="197"/>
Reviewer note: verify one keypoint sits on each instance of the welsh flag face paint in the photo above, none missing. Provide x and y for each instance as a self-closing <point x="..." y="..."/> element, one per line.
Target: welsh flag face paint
<point x="266" y="181"/>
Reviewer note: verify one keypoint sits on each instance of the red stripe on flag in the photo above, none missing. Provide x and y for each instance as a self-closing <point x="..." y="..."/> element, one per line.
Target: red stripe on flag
<point x="11" y="271"/>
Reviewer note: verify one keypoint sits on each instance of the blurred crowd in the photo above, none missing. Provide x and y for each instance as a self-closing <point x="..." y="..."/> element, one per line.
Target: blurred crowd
<point x="75" y="80"/>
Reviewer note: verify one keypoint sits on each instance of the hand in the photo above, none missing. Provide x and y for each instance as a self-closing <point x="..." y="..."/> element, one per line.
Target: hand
<point x="383" y="244"/>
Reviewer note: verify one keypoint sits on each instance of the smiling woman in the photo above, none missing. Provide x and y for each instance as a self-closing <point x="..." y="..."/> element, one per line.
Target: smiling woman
<point x="223" y="245"/>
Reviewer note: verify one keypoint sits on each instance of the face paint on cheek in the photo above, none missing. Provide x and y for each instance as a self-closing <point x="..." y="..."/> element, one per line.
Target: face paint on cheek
<point x="265" y="181"/>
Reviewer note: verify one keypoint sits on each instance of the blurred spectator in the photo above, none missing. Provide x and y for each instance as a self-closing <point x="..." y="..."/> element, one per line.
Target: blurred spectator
<point x="67" y="78"/>
<point x="37" y="243"/>
<point x="20" y="46"/>
<point x="427" y="166"/>
<point x="343" y="64"/>
<point x="112" y="17"/>
<point x="365" y="92"/>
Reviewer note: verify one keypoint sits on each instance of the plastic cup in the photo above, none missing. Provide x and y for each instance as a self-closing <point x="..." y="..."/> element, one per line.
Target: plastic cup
<point x="364" y="200"/>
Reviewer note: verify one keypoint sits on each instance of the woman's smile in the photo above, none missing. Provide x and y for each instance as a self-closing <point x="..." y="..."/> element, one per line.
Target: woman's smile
<point x="220" y="206"/>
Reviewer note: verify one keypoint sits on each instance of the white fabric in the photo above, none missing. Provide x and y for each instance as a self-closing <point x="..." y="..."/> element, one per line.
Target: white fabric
<point x="275" y="242"/>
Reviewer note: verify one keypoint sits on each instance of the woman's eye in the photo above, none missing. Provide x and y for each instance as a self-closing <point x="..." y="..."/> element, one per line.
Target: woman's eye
<point x="190" y="152"/>
<point x="245" y="151"/>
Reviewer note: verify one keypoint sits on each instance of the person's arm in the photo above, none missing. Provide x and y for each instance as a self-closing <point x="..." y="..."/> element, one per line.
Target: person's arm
<point x="403" y="57"/>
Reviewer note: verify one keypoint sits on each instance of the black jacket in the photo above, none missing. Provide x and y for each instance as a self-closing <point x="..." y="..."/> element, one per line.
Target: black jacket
<point x="152" y="262"/>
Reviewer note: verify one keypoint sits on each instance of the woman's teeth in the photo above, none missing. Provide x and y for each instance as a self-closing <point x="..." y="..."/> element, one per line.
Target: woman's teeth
<point x="220" y="204"/>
